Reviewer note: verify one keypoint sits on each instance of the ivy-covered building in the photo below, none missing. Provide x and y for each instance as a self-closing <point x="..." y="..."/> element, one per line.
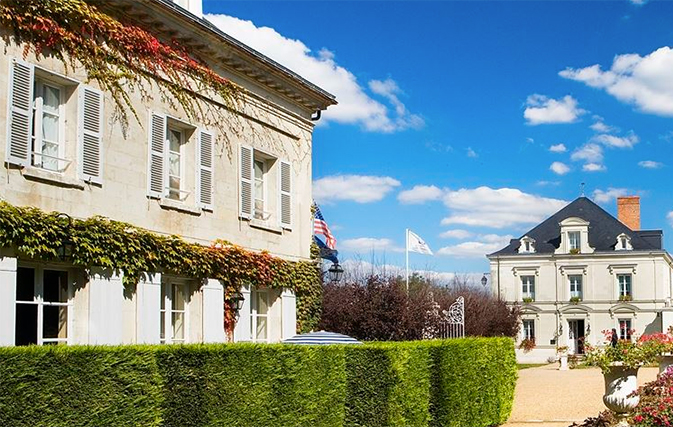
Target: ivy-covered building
<point x="155" y="169"/>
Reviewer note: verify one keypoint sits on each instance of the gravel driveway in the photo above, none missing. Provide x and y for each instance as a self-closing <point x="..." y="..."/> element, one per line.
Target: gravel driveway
<point x="547" y="397"/>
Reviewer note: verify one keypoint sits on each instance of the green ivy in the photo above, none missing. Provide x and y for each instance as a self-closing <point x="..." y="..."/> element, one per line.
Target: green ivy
<point x="101" y="242"/>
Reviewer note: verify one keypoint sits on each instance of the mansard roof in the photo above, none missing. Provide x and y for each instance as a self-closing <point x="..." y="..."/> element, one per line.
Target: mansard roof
<point x="603" y="231"/>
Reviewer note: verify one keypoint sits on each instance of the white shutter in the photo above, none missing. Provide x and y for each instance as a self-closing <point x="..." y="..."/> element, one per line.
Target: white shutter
<point x="20" y="114"/>
<point x="90" y="135"/>
<point x="246" y="170"/>
<point x="285" y="195"/>
<point x="204" y="171"/>
<point x="156" y="174"/>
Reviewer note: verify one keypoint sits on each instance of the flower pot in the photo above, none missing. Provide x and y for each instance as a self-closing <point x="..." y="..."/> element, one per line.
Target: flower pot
<point x="665" y="362"/>
<point x="620" y="382"/>
<point x="564" y="362"/>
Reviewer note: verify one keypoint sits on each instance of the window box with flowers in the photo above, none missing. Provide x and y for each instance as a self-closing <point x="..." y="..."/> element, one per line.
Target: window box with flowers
<point x="527" y="344"/>
<point x="625" y="298"/>
<point x="528" y="300"/>
<point x="575" y="300"/>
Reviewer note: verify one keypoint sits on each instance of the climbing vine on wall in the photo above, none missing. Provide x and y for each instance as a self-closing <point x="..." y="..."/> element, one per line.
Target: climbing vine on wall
<point x="101" y="242"/>
<point x="121" y="57"/>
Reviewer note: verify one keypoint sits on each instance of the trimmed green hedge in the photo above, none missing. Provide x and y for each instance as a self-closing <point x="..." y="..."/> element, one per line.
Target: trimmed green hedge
<point x="460" y="382"/>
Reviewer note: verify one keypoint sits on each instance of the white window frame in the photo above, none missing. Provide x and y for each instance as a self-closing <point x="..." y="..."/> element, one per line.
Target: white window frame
<point x="182" y="194"/>
<point x="621" y="286"/>
<point x="577" y="244"/>
<point x="264" y="215"/>
<point x="574" y="284"/>
<point x="38" y="300"/>
<point x="528" y="282"/>
<point x="528" y="329"/>
<point x="36" y="133"/>
<point x="254" y="315"/>
<point x="624" y="332"/>
<point x="166" y="312"/>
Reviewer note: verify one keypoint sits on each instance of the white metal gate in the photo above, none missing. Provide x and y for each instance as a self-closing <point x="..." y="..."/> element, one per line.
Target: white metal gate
<point x="453" y="324"/>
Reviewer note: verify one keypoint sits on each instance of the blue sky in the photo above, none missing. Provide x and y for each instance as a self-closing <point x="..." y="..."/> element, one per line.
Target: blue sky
<point x="471" y="122"/>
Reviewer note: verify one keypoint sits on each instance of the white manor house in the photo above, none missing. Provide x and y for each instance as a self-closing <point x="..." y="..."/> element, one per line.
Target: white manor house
<point x="65" y="151"/>
<point x="581" y="272"/>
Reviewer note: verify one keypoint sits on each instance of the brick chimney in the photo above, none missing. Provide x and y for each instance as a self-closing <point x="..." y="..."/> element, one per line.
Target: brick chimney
<point x="628" y="211"/>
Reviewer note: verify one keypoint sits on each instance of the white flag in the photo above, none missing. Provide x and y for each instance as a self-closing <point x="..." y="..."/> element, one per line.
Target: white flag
<point x="416" y="244"/>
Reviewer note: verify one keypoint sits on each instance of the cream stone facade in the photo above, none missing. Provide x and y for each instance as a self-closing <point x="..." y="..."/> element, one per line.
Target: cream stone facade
<point x="584" y="273"/>
<point x="251" y="187"/>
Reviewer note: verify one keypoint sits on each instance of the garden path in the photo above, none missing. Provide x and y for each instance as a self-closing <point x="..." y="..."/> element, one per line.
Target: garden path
<point x="547" y="397"/>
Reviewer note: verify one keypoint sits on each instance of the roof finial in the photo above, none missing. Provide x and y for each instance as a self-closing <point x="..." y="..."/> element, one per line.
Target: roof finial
<point x="582" y="190"/>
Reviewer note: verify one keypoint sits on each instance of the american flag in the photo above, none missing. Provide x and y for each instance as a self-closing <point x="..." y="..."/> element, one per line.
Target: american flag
<point x="320" y="227"/>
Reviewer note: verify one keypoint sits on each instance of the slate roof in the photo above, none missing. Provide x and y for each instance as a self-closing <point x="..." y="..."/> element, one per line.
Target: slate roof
<point x="603" y="231"/>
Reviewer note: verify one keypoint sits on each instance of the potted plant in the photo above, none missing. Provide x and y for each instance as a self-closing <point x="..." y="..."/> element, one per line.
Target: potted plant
<point x="619" y="361"/>
<point x="575" y="300"/>
<point x="660" y="347"/>
<point x="625" y="298"/>
<point x="563" y="357"/>
<point x="527" y="344"/>
<point x="528" y="300"/>
<point x="574" y="251"/>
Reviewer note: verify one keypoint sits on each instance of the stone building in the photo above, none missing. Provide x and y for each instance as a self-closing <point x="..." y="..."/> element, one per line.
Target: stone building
<point x="581" y="272"/>
<point x="66" y="151"/>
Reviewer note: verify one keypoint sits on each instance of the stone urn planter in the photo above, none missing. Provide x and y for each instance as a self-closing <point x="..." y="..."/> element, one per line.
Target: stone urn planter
<point x="665" y="362"/>
<point x="620" y="382"/>
<point x="563" y="358"/>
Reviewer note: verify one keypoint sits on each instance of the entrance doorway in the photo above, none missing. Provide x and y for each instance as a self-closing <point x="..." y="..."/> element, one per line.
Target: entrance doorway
<point x="576" y="336"/>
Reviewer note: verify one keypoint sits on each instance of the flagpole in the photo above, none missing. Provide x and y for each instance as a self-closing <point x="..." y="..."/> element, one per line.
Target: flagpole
<point x="407" y="251"/>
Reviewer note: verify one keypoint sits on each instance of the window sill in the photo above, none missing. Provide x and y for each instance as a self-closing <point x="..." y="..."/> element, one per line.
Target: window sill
<point x="262" y="225"/>
<point x="55" y="178"/>
<point x="179" y="206"/>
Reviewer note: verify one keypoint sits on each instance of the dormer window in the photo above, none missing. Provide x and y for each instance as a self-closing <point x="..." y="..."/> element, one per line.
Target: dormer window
<point x="623" y="243"/>
<point x="527" y="245"/>
<point x="574" y="240"/>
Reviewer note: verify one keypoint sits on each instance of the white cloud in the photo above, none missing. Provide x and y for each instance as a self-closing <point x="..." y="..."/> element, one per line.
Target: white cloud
<point x="456" y="234"/>
<point x="606" y="196"/>
<point x="650" y="164"/>
<point x="476" y="249"/>
<point x="471" y="153"/>
<point x="497" y="208"/>
<point x="592" y="153"/>
<point x="670" y="218"/>
<point x="616" y="141"/>
<point x="543" y="110"/>
<point x="638" y="2"/>
<point x="357" y="270"/>
<point x="559" y="168"/>
<point x="548" y="183"/>
<point x="355" y="106"/>
<point x="594" y="167"/>
<point x="369" y="244"/>
<point x="643" y="81"/>
<point x="357" y="188"/>
<point x="600" y="126"/>
<point x="558" y="148"/>
<point x="420" y="194"/>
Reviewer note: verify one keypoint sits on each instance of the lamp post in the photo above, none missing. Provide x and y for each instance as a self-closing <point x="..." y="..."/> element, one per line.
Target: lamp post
<point x="335" y="273"/>
<point x="237" y="300"/>
<point x="484" y="280"/>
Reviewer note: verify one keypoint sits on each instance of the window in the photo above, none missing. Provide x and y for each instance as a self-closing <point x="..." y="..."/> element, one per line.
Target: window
<point x="625" y="329"/>
<point x="528" y="287"/>
<point x="260" y="190"/>
<point x="574" y="240"/>
<point x="527" y="245"/>
<point x="37" y="131"/>
<point x="624" y="281"/>
<point x="260" y="315"/>
<point x="529" y="329"/>
<point x="575" y="286"/>
<point x="175" y="170"/>
<point x="43" y="302"/>
<point x="48" y="126"/>
<point x="623" y="243"/>
<point x="174" y="303"/>
<point x="265" y="189"/>
<point x="176" y="142"/>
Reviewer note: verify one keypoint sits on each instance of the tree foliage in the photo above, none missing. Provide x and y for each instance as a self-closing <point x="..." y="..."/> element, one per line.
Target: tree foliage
<point x="380" y="309"/>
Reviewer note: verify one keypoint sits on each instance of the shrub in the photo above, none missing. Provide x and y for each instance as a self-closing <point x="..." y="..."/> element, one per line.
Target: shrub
<point x="460" y="382"/>
<point x="380" y="309"/>
<point x="656" y="403"/>
<point x="78" y="386"/>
